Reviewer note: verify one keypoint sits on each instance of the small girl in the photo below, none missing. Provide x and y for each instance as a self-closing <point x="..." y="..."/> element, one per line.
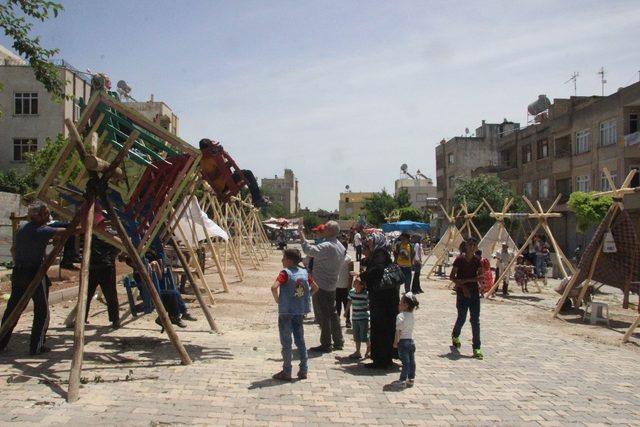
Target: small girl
<point x="487" y="276"/>
<point x="404" y="338"/>
<point x="294" y="300"/>
<point x="523" y="273"/>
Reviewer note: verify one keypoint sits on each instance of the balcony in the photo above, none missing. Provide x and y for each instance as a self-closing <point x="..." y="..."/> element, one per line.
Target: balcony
<point x="632" y="139"/>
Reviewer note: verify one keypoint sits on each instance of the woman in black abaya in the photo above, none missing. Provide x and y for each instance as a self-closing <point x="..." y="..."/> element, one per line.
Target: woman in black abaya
<point x="383" y="304"/>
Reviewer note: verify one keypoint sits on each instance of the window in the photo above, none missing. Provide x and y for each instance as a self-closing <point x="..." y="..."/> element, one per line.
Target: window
<point x="604" y="182"/>
<point x="635" y="181"/>
<point x="76" y="111"/>
<point x="608" y="134"/>
<point x="21" y="146"/>
<point x="346" y="200"/>
<point x="451" y="159"/>
<point x="582" y="141"/>
<point x="526" y="153"/>
<point x="543" y="189"/>
<point x="25" y="103"/>
<point x="527" y="189"/>
<point x="543" y="149"/>
<point x="563" y="186"/>
<point x="583" y="183"/>
<point x="633" y="122"/>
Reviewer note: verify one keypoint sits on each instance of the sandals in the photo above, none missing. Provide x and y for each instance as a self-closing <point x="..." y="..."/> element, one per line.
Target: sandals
<point x="355" y="356"/>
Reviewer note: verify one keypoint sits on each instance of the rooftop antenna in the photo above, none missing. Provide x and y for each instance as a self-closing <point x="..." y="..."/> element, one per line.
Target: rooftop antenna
<point x="348" y="188"/>
<point x="574" y="79"/>
<point x="601" y="73"/>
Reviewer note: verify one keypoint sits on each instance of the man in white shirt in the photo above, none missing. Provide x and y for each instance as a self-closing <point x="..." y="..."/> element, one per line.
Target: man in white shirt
<point x="503" y="259"/>
<point x="357" y="244"/>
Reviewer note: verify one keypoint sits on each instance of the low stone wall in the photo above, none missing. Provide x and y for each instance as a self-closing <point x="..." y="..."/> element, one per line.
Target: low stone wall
<point x="9" y="202"/>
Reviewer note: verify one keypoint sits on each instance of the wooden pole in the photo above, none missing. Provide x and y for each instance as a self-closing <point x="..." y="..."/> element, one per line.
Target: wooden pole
<point x="627" y="335"/>
<point x="196" y="288"/>
<point x="144" y="274"/>
<point x="81" y="305"/>
<point x="513" y="260"/>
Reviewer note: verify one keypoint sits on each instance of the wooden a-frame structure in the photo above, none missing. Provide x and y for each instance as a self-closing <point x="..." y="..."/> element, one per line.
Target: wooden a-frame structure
<point x="450" y="240"/>
<point x="498" y="233"/>
<point x="467" y="219"/>
<point x="616" y="208"/>
<point x="115" y="162"/>
<point x="542" y="216"/>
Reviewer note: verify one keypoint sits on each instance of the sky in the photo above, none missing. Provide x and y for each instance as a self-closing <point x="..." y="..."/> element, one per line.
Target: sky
<point x="344" y="92"/>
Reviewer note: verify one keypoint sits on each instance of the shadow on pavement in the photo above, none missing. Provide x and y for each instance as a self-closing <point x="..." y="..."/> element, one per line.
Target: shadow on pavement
<point x="454" y="354"/>
<point x="269" y="382"/>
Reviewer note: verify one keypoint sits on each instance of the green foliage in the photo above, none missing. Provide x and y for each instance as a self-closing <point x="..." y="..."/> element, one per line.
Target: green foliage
<point x="14" y="182"/>
<point x="38" y="163"/>
<point x="15" y="20"/>
<point x="276" y="210"/>
<point x="409" y="213"/>
<point x="378" y="206"/>
<point x="311" y="220"/>
<point x="588" y="209"/>
<point x="403" y="200"/>
<point x="493" y="190"/>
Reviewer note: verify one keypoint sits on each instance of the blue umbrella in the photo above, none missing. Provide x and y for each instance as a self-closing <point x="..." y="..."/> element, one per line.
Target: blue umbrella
<point x="405" y="226"/>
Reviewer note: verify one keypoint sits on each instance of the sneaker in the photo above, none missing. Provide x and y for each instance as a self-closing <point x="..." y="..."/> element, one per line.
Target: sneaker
<point x="409" y="383"/>
<point x="302" y="375"/>
<point x="348" y="325"/>
<point x="399" y="384"/>
<point x="477" y="354"/>
<point x="190" y="317"/>
<point x="338" y="346"/>
<point x="355" y="356"/>
<point x="69" y="266"/>
<point x="282" y="375"/>
<point x="455" y="341"/>
<point x="320" y="349"/>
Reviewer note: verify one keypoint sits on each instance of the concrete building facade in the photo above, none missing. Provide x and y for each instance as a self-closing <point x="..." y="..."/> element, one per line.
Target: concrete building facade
<point x="283" y="190"/>
<point x="29" y="114"/>
<point x="568" y="150"/>
<point x="351" y="204"/>
<point x="564" y="150"/>
<point x="464" y="156"/>
<point x="158" y="112"/>
<point x="422" y="192"/>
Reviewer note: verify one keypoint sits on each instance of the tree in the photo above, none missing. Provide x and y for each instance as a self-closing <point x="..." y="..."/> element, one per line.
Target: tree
<point x="311" y="220"/>
<point x="493" y="190"/>
<point x="378" y="206"/>
<point x="403" y="199"/>
<point x="410" y="213"/>
<point x="588" y="210"/>
<point x="14" y="20"/>
<point x="38" y="163"/>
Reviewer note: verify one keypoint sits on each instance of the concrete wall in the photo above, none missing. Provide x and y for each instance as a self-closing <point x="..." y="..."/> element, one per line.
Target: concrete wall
<point x="48" y="123"/>
<point x="9" y="203"/>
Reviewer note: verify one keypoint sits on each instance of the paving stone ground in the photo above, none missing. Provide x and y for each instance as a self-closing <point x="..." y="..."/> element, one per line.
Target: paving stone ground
<point x="536" y="371"/>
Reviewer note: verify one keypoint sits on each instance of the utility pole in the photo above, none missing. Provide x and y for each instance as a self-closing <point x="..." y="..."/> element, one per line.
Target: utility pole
<point x="574" y="79"/>
<point x="602" y="80"/>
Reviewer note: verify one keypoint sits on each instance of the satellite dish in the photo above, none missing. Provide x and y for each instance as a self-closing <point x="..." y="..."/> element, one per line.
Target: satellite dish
<point x="346" y="187"/>
<point x="404" y="167"/>
<point x="466" y="131"/>
<point x="123" y="86"/>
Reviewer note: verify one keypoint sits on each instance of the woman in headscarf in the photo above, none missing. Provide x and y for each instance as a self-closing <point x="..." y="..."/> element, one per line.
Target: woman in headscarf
<point x="383" y="304"/>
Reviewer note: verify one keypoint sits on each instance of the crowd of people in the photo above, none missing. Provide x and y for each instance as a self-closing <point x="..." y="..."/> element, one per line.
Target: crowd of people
<point x="381" y="319"/>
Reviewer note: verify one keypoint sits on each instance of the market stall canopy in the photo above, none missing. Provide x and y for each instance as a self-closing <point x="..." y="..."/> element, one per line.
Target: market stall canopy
<point x="405" y="226"/>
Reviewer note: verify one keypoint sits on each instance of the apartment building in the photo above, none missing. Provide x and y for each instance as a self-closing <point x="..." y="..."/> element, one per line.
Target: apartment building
<point x="158" y="112"/>
<point x="465" y="156"/>
<point x="351" y="204"/>
<point x="422" y="192"/>
<point x="568" y="149"/>
<point x="29" y="114"/>
<point x="283" y="190"/>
